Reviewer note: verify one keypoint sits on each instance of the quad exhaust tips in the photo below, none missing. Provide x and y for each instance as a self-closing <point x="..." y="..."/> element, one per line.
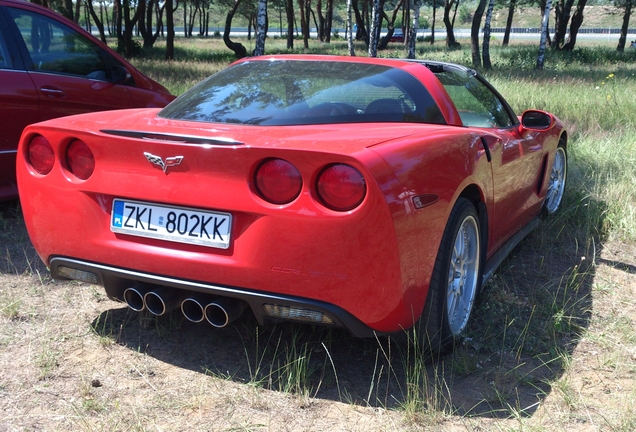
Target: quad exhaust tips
<point x="219" y="312"/>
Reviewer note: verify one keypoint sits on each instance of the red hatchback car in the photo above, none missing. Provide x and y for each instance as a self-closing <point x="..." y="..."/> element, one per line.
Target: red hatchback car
<point x="50" y="67"/>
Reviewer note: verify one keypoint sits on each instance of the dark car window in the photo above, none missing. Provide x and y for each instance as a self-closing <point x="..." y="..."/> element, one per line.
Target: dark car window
<point x="5" y="58"/>
<point x="286" y="92"/>
<point x="476" y="103"/>
<point x="53" y="47"/>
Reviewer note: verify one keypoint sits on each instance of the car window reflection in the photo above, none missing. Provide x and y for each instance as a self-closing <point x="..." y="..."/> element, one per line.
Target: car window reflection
<point x="286" y="92"/>
<point x="55" y="48"/>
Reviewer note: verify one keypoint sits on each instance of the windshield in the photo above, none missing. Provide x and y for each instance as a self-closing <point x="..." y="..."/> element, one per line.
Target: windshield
<point x="296" y="92"/>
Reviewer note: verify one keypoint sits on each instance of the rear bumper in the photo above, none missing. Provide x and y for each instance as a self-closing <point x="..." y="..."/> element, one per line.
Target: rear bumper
<point x="116" y="280"/>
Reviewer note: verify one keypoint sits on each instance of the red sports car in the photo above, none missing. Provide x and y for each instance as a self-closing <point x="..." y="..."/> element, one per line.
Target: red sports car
<point x="50" y="67"/>
<point x="369" y="194"/>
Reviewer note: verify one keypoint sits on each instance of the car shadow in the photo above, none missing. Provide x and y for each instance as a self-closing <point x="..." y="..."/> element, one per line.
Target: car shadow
<point x="526" y="325"/>
<point x="17" y="256"/>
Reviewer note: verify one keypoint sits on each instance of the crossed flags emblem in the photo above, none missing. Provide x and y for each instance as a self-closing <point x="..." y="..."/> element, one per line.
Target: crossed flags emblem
<point x="157" y="160"/>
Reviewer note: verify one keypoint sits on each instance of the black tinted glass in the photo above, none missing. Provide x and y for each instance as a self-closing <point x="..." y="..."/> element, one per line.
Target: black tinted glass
<point x="293" y="92"/>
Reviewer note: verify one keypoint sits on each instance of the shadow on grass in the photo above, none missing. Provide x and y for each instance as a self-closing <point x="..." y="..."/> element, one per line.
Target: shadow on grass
<point x="17" y="256"/>
<point x="526" y="325"/>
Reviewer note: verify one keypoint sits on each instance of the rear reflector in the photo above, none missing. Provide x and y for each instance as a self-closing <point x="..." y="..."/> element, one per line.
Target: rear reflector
<point x="277" y="181"/>
<point x="40" y="155"/>
<point x="80" y="159"/>
<point x="297" y="314"/>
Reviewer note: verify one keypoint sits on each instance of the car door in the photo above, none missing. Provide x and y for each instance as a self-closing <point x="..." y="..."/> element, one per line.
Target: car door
<point x="71" y="74"/>
<point x="18" y="107"/>
<point x="516" y="159"/>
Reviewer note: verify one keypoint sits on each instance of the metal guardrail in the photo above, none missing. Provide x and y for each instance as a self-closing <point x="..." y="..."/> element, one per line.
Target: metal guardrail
<point x="552" y="30"/>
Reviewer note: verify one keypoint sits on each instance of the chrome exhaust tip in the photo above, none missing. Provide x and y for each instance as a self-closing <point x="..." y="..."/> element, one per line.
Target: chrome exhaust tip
<point x="162" y="300"/>
<point x="193" y="308"/>
<point x="134" y="297"/>
<point x="223" y="311"/>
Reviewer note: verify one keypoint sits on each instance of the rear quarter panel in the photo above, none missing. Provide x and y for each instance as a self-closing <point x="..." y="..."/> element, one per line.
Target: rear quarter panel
<point x="443" y="164"/>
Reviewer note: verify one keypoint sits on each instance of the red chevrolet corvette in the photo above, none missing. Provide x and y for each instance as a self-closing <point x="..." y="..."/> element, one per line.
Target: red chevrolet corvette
<point x="370" y="194"/>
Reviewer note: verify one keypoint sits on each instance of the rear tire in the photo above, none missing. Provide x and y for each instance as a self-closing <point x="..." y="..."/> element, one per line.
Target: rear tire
<point x="455" y="281"/>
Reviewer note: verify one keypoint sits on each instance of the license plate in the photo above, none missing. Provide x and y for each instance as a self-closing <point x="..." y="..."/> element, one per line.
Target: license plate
<point x="177" y="224"/>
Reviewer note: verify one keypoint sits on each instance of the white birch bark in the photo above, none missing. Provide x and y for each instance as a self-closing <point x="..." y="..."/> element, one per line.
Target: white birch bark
<point x="544" y="34"/>
<point x="414" y="27"/>
<point x="350" y="30"/>
<point x="261" y="31"/>
<point x="375" y="31"/>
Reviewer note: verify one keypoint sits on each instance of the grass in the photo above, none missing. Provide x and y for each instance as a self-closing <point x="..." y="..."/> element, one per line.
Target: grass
<point x="551" y="346"/>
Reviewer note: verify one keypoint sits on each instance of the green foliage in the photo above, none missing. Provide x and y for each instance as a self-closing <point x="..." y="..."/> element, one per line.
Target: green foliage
<point x="465" y="15"/>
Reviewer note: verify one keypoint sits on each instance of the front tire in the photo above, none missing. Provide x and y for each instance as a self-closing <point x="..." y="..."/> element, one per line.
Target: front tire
<point x="556" y="183"/>
<point x="455" y="281"/>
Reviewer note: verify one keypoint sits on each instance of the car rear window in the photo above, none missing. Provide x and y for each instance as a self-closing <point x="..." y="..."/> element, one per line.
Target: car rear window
<point x="297" y="92"/>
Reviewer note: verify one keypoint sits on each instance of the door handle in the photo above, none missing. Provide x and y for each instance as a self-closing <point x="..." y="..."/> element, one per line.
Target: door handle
<point x="53" y="92"/>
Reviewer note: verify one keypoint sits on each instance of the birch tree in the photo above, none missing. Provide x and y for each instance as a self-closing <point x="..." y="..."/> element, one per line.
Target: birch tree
<point x="544" y="35"/>
<point x="486" y="44"/>
<point x="375" y="29"/>
<point x="414" y="28"/>
<point x="261" y="28"/>
<point x="350" y="29"/>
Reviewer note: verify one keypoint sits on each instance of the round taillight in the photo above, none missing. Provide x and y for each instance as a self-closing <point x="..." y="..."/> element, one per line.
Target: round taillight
<point x="41" y="155"/>
<point x="341" y="187"/>
<point x="277" y="181"/>
<point x="80" y="160"/>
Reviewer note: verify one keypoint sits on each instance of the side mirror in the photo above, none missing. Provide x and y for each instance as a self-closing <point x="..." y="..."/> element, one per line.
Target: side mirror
<point x="119" y="75"/>
<point x="537" y="120"/>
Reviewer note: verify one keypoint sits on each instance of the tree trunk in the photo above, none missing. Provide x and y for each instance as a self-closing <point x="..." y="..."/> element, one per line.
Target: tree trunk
<point x="561" y="19"/>
<point x="350" y="29"/>
<point x="170" y="30"/>
<point x="289" y="10"/>
<point x="474" y="33"/>
<point x="486" y="45"/>
<point x="320" y="25"/>
<point x="261" y="28"/>
<point x="67" y="9"/>
<point x="450" y="34"/>
<point x="76" y="15"/>
<point x="361" y="31"/>
<point x="390" y="26"/>
<point x="414" y="27"/>
<point x="117" y="18"/>
<point x="98" y="22"/>
<point x="304" y="23"/>
<point x="159" y="16"/>
<point x="375" y="24"/>
<point x="433" y="22"/>
<point x="623" y="38"/>
<point x="238" y="48"/>
<point x="511" y="12"/>
<point x="544" y="35"/>
<point x="329" y="21"/>
<point x="575" y="25"/>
